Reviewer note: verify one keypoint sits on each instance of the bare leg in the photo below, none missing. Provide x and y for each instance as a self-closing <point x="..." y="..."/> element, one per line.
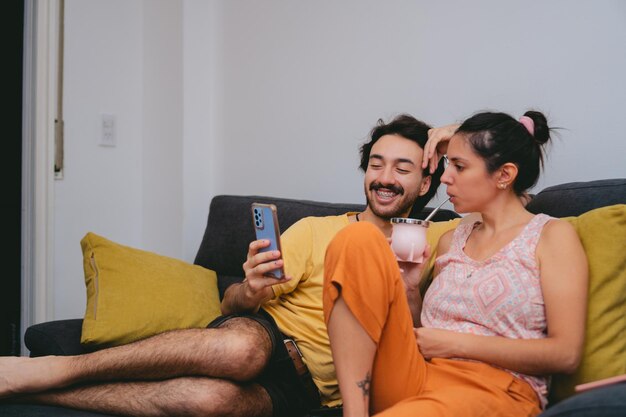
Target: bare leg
<point x="189" y="396"/>
<point x="239" y="350"/>
<point x="369" y="322"/>
<point x="353" y="352"/>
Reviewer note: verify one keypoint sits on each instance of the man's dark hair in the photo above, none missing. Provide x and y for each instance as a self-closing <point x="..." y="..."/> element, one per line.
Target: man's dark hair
<point x="410" y="128"/>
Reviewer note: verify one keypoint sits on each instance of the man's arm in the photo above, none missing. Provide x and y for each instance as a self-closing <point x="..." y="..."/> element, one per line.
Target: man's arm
<point x="256" y="288"/>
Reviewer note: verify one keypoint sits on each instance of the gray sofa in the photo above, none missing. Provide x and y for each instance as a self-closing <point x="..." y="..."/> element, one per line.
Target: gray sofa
<point x="223" y="250"/>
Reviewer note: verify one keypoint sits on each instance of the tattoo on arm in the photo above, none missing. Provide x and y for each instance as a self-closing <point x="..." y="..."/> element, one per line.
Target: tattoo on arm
<point x="365" y="384"/>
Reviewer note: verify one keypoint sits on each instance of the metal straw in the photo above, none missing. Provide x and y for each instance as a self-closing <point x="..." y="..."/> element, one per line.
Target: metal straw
<point x="432" y="213"/>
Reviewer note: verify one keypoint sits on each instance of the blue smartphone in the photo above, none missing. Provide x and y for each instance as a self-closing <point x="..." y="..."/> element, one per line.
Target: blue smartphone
<point x="265" y="222"/>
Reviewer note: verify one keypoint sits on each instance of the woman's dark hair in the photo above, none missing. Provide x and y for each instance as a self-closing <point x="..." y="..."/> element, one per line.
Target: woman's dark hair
<point x="408" y="127"/>
<point x="498" y="138"/>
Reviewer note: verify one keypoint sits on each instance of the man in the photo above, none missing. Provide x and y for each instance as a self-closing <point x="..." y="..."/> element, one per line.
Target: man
<point x="239" y="365"/>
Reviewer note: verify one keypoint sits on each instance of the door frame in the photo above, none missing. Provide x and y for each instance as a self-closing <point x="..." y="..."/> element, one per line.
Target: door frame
<point x="41" y="31"/>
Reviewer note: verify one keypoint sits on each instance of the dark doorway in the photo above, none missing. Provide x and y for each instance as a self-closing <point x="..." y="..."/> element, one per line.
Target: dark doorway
<point x="10" y="283"/>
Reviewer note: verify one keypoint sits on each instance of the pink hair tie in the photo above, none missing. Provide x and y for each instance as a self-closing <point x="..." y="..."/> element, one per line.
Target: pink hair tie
<point x="529" y="124"/>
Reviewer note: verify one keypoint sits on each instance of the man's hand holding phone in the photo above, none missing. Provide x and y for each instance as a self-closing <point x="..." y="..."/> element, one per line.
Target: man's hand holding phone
<point x="264" y="266"/>
<point x="256" y="288"/>
<point x="258" y="267"/>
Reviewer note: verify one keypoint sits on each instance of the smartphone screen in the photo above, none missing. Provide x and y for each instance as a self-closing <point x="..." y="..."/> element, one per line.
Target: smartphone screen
<point x="265" y="223"/>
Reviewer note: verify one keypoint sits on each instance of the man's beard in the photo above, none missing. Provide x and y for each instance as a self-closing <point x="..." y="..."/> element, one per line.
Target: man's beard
<point x="405" y="204"/>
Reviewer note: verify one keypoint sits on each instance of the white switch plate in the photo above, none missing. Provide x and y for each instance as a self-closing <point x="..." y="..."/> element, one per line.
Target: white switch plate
<point x="108" y="130"/>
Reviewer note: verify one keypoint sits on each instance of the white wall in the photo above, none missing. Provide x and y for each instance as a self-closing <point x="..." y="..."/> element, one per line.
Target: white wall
<point x="303" y="83"/>
<point x="123" y="58"/>
<point x="162" y="151"/>
<point x="202" y="70"/>
<point x="274" y="98"/>
<point x="102" y="187"/>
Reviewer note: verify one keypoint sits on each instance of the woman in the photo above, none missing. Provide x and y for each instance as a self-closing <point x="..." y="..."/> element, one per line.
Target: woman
<point x="506" y="307"/>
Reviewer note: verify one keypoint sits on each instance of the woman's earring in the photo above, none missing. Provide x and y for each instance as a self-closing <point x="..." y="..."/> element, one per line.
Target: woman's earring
<point x="502" y="185"/>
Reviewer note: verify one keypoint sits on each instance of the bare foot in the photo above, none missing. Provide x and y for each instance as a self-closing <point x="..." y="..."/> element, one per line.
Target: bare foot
<point x="22" y="375"/>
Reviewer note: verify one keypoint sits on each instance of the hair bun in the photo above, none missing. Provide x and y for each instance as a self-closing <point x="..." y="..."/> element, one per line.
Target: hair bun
<point x="542" y="131"/>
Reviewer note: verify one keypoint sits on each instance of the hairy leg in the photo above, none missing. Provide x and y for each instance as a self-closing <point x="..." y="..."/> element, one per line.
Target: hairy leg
<point x="353" y="352"/>
<point x="187" y="396"/>
<point x="239" y="350"/>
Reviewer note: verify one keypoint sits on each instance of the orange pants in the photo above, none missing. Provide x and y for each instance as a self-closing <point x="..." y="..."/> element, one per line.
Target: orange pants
<point x="361" y="268"/>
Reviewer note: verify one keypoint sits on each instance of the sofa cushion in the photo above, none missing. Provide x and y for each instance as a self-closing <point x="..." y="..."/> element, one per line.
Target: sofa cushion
<point x="57" y="337"/>
<point x="603" y="235"/>
<point x="575" y="198"/>
<point x="133" y="294"/>
<point x="229" y="230"/>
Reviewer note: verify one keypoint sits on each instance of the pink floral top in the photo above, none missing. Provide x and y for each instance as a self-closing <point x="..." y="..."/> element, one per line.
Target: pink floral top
<point x="499" y="296"/>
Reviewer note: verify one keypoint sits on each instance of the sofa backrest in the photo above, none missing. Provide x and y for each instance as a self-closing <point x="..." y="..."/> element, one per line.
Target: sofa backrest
<point x="229" y="229"/>
<point x="576" y="198"/>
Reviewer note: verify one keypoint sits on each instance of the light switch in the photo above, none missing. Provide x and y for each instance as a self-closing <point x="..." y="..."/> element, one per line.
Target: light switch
<point x="108" y="130"/>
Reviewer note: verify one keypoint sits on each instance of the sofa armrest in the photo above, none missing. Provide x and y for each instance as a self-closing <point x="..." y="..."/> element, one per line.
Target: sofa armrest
<point x="60" y="337"/>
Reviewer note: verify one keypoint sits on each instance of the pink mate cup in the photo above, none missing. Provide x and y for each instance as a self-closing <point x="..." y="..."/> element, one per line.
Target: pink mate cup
<point x="408" y="239"/>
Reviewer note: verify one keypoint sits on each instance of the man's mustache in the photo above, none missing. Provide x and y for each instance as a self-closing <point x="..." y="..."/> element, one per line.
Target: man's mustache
<point x="375" y="186"/>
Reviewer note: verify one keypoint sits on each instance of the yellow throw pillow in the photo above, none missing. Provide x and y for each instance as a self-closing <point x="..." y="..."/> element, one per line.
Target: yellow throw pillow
<point x="603" y="235"/>
<point x="133" y="294"/>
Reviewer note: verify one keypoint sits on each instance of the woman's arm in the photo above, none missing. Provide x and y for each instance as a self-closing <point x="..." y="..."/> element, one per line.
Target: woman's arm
<point x="563" y="268"/>
<point x="564" y="282"/>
